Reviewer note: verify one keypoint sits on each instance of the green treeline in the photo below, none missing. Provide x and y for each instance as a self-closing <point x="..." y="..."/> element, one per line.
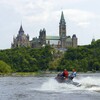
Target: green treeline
<point x="26" y="59"/>
<point x="82" y="58"/>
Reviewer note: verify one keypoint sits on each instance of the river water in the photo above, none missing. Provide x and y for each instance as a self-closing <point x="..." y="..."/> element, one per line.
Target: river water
<point x="47" y="88"/>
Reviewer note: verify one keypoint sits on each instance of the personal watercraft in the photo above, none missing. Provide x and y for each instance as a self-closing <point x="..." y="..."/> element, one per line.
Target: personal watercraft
<point x="69" y="80"/>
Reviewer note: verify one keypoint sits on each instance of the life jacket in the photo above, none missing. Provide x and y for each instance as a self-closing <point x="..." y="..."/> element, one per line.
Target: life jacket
<point x="65" y="74"/>
<point x="73" y="74"/>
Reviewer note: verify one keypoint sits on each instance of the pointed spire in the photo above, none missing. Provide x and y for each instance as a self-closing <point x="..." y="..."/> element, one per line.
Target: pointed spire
<point x="62" y="20"/>
<point x="21" y="28"/>
<point x="21" y="31"/>
<point x="62" y="16"/>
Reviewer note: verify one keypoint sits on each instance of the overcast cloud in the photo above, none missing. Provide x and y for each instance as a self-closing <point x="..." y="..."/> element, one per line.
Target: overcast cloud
<point x="82" y="18"/>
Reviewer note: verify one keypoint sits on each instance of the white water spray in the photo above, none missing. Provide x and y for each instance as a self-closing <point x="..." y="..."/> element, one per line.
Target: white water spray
<point x="87" y="83"/>
<point x="53" y="85"/>
<point x="90" y="83"/>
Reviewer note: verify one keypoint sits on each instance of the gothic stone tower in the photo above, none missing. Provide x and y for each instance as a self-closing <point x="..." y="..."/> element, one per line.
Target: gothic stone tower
<point x="42" y="37"/>
<point x="74" y="41"/>
<point x="22" y="40"/>
<point x="62" y="31"/>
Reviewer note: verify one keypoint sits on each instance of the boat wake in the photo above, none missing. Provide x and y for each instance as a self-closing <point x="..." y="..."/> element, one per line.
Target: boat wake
<point x="87" y="84"/>
<point x="90" y="83"/>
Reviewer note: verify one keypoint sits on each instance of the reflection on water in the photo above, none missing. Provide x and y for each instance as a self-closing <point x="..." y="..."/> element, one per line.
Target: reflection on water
<point x="47" y="88"/>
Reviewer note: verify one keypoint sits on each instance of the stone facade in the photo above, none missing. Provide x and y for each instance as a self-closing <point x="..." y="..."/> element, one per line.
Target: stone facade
<point x="22" y="40"/>
<point x="61" y="41"/>
<point x="66" y="41"/>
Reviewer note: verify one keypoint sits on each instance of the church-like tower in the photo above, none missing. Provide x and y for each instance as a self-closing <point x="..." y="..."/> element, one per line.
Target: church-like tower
<point x="62" y="26"/>
<point x="21" y="31"/>
<point x="42" y="37"/>
<point x="22" y="40"/>
<point x="62" y="31"/>
<point x="62" y="42"/>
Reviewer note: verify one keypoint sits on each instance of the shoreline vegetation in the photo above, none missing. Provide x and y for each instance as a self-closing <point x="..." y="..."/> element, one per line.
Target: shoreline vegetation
<point x="26" y="74"/>
<point x="25" y="61"/>
<point x="38" y="74"/>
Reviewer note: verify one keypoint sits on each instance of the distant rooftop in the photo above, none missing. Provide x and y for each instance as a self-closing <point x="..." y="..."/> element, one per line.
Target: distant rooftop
<point x="52" y="37"/>
<point x="69" y="39"/>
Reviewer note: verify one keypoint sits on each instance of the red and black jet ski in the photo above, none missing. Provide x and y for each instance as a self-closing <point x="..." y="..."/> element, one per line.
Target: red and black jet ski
<point x="61" y="79"/>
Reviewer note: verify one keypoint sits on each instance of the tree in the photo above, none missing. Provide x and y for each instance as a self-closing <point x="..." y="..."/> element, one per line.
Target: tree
<point x="96" y="66"/>
<point x="4" y="68"/>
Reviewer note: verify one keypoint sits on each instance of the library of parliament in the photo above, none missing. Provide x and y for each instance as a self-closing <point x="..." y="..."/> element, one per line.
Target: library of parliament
<point x="59" y="42"/>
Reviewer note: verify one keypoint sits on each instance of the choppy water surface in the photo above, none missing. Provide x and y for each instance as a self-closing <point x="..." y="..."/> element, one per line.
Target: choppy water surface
<point x="47" y="88"/>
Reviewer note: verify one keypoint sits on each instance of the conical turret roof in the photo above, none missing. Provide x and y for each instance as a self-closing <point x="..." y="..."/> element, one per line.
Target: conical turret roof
<point x="21" y="31"/>
<point x="62" y="16"/>
<point x="62" y="20"/>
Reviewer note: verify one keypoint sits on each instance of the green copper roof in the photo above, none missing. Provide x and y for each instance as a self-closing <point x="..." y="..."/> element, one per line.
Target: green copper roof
<point x="52" y="37"/>
<point x="69" y="39"/>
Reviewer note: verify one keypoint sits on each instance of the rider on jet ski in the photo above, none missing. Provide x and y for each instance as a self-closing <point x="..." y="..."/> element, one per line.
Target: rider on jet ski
<point x="73" y="74"/>
<point x="65" y="74"/>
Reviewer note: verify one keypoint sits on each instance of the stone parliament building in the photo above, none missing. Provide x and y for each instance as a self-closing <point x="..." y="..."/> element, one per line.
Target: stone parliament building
<point x="60" y="42"/>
